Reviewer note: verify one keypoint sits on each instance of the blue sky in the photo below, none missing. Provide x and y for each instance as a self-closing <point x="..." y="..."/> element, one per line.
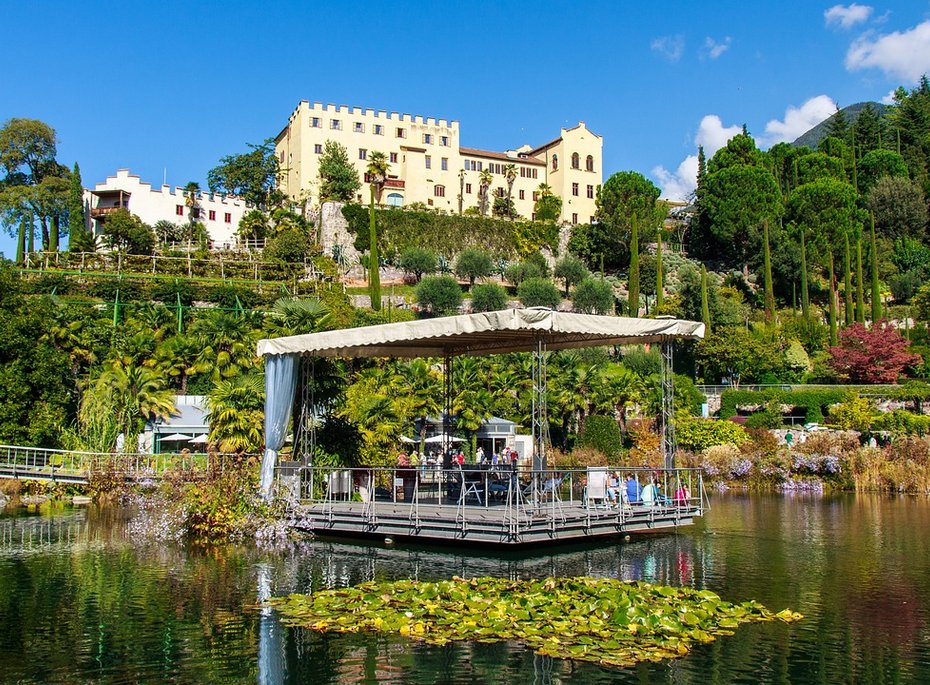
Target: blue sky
<point x="175" y="86"/>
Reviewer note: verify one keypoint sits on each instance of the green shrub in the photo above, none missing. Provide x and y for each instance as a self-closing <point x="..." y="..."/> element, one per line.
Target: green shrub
<point x="594" y="296"/>
<point x="767" y="418"/>
<point x="902" y="422"/>
<point x="106" y="289"/>
<point x="288" y="247"/>
<point x="813" y="401"/>
<point x="521" y="271"/>
<point x="539" y="292"/>
<point x="170" y="291"/>
<point x="441" y="295"/>
<point x="698" y="434"/>
<point x="418" y="261"/>
<point x="49" y="283"/>
<point x="473" y="264"/>
<point x="225" y="296"/>
<point x="489" y="297"/>
<point x="603" y="434"/>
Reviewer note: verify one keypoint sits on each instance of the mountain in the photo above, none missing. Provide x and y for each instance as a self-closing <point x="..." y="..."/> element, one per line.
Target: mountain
<point x="813" y="137"/>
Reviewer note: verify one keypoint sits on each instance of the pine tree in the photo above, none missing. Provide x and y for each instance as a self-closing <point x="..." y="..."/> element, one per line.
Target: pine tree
<point x="805" y="297"/>
<point x="838" y="126"/>
<point x="633" y="287"/>
<point x="660" y="296"/>
<point x="705" y="305"/>
<point x="832" y="294"/>
<point x="876" y="295"/>
<point x="769" y="291"/>
<point x="860" y="284"/>
<point x="847" y="282"/>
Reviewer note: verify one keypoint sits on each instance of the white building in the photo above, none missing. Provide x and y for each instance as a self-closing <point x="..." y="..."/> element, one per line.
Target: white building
<point x="219" y="213"/>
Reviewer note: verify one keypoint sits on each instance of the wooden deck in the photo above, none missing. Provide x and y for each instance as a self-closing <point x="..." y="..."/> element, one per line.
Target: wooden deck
<point x="496" y="524"/>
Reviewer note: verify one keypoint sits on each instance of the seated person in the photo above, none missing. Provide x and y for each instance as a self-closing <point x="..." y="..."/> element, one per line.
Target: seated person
<point x="633" y="490"/>
<point x="613" y="487"/>
<point x="650" y="494"/>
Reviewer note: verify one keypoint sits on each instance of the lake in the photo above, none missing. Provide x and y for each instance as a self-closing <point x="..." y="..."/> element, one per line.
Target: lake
<point x="81" y="602"/>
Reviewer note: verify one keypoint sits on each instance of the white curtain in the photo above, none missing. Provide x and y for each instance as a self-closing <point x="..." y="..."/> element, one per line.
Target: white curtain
<point x="280" y="386"/>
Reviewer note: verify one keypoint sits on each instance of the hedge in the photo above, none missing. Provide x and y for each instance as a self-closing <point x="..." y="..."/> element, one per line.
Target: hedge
<point x="699" y="434"/>
<point x="815" y="402"/>
<point x="449" y="234"/>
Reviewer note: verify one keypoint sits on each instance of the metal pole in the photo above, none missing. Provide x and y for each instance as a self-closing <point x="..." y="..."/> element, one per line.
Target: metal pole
<point x="667" y="417"/>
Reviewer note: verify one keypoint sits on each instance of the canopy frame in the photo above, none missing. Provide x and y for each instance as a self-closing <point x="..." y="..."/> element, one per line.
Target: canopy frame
<point x="535" y="330"/>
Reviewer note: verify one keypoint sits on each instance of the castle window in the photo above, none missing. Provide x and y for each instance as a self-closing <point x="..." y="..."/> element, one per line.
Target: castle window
<point x="393" y="158"/>
<point x="444" y="164"/>
<point x="575" y="189"/>
<point x="468" y="188"/>
<point x="335" y="124"/>
<point x="439" y="191"/>
<point x="401" y="132"/>
<point x="555" y="162"/>
<point x="522" y="194"/>
<point x="318" y="149"/>
<point x="444" y="140"/>
<point x="576" y="161"/>
<point x="362" y="153"/>
<point x="589" y="163"/>
<point x="212" y="215"/>
<point x="315" y="122"/>
<point x="590" y="192"/>
<point x="429" y="161"/>
<point x="359" y="127"/>
<point x="227" y="218"/>
<point x="379" y="130"/>
<point x="574" y="218"/>
<point x="427" y="138"/>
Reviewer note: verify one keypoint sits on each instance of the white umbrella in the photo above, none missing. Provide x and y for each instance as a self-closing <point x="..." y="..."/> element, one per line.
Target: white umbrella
<point x="443" y="438"/>
<point x="200" y="439"/>
<point x="174" y="437"/>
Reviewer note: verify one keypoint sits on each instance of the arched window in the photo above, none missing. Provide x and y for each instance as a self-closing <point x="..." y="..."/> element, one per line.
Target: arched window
<point x="439" y="191"/>
<point x="555" y="162"/>
<point x="395" y="200"/>
<point x="589" y="163"/>
<point x="576" y="161"/>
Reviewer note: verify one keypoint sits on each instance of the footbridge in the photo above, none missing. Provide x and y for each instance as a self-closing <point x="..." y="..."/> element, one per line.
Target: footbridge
<point x="69" y="466"/>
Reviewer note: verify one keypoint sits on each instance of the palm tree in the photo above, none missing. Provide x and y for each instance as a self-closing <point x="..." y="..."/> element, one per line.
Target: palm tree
<point x="177" y="357"/>
<point x="461" y="189"/>
<point x="293" y="317"/>
<point x="236" y="413"/>
<point x="485" y="179"/>
<point x="131" y="395"/>
<point x="377" y="175"/>
<point x="423" y="385"/>
<point x="227" y="345"/>
<point x="192" y="200"/>
<point x="510" y="174"/>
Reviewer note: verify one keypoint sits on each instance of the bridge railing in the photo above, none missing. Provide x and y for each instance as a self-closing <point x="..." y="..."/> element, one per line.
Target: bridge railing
<point x="39" y="461"/>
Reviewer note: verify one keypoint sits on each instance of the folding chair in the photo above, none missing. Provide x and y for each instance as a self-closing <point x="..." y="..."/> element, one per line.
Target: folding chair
<point x="596" y="490"/>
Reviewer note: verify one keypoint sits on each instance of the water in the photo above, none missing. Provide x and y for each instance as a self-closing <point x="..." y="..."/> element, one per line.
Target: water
<point x="79" y="602"/>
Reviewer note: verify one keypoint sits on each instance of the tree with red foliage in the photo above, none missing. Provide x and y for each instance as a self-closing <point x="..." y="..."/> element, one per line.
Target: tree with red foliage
<point x="876" y="355"/>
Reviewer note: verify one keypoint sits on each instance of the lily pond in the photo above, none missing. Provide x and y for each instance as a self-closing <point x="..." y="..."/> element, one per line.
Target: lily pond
<point x="80" y="601"/>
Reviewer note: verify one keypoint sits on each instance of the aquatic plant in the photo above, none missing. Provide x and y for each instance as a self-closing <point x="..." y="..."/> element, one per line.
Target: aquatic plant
<point x="607" y="621"/>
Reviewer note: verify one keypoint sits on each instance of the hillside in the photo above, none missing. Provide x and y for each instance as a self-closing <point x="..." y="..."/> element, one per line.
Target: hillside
<point x="813" y="137"/>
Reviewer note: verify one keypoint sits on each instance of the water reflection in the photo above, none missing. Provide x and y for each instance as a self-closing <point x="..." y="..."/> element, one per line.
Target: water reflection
<point x="80" y="601"/>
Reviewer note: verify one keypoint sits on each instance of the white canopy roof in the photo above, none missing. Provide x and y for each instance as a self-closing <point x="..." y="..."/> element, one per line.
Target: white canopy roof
<point x="510" y="330"/>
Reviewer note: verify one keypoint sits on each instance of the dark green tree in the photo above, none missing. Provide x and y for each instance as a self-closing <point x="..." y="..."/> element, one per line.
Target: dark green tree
<point x="805" y="292"/>
<point x="769" y="289"/>
<point x="338" y="178"/>
<point x="705" y="306"/>
<point x="594" y="295"/>
<point x="79" y="238"/>
<point x="860" y="284"/>
<point x="488" y="297"/>
<point x="831" y="283"/>
<point x="900" y="208"/>
<point x="440" y="295"/>
<point x="633" y="286"/>
<point x="473" y="264"/>
<point x="660" y="289"/>
<point x="570" y="270"/>
<point x="418" y="261"/>
<point x="539" y="292"/>
<point x="876" y="293"/>
<point x="847" y="281"/>
<point x="252" y="175"/>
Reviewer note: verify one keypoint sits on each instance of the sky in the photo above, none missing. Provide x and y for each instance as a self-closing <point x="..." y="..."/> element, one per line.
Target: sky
<point x="166" y="89"/>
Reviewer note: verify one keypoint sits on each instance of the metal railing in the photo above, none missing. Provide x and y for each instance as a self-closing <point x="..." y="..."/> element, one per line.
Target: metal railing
<point x="52" y="464"/>
<point x="520" y="497"/>
<point x="864" y="390"/>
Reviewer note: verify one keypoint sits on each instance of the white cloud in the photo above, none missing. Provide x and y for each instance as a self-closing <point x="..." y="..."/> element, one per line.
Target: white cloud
<point x="901" y="54"/>
<point x="669" y="47"/>
<point x="889" y="99"/>
<point x="712" y="135"/>
<point x="847" y="17"/>
<point x="713" y="49"/>
<point x="798" y="120"/>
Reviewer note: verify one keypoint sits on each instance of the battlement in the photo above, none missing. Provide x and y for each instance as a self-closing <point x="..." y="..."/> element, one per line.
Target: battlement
<point x="125" y="180"/>
<point x="368" y="113"/>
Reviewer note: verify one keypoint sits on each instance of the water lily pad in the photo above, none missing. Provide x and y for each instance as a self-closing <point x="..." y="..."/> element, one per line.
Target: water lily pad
<point x="611" y="622"/>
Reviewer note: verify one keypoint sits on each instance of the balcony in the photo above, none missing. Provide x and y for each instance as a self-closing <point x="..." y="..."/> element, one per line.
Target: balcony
<point x="389" y="182"/>
<point x="102" y="212"/>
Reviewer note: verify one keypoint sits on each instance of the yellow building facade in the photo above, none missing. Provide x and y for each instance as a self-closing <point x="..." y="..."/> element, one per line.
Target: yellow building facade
<point x="428" y="165"/>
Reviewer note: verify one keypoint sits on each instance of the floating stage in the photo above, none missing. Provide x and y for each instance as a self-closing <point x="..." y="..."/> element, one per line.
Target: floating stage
<point x="451" y="507"/>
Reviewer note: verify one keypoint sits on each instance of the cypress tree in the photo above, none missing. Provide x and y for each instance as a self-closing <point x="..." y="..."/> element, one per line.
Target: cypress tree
<point x="855" y="178"/>
<point x="53" y="232"/>
<point x="31" y="235"/>
<point x="847" y="282"/>
<point x="832" y="294"/>
<point x="705" y="305"/>
<point x="21" y="241"/>
<point x="634" y="270"/>
<point x="876" y="295"/>
<point x="660" y="296"/>
<point x="79" y="240"/>
<point x="374" y="274"/>
<point x="805" y="298"/>
<point x="769" y="291"/>
<point x="860" y="285"/>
